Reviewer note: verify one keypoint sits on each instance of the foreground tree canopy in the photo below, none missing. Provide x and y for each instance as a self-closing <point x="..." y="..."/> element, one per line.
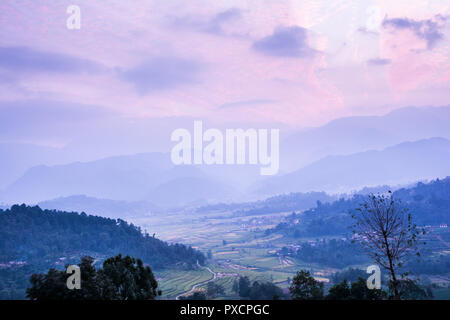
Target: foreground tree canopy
<point x="305" y="287"/>
<point x="121" y="278"/>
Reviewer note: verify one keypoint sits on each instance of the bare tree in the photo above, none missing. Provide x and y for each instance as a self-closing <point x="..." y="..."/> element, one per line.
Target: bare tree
<point x="385" y="229"/>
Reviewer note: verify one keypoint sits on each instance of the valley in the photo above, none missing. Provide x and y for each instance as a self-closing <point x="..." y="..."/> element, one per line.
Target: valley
<point x="238" y="248"/>
<point x="264" y="247"/>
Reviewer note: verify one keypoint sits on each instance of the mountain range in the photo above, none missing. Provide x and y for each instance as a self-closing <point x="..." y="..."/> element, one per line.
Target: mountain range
<point x="347" y="154"/>
<point x="400" y="164"/>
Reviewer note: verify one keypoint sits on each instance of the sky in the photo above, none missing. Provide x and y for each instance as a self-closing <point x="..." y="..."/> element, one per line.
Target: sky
<point x="135" y="66"/>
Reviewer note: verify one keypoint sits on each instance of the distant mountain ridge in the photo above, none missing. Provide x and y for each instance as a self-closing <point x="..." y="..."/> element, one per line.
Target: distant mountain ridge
<point x="101" y="207"/>
<point x="349" y="135"/>
<point x="153" y="179"/>
<point x="138" y="177"/>
<point x="400" y="164"/>
<point x="312" y="159"/>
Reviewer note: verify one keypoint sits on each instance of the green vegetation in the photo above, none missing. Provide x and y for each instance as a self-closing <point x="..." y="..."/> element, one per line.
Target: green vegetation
<point x="355" y="291"/>
<point x="282" y="203"/>
<point x="239" y="246"/>
<point x="213" y="289"/>
<point x="122" y="278"/>
<point x="33" y="240"/>
<point x="427" y="203"/>
<point x="195" y="296"/>
<point x="177" y="281"/>
<point x="334" y="253"/>
<point x="349" y="274"/>
<point x="305" y="287"/>
<point x="257" y="290"/>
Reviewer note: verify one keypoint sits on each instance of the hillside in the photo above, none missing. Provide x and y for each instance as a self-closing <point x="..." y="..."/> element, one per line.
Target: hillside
<point x="281" y="203"/>
<point x="428" y="204"/>
<point x="32" y="239"/>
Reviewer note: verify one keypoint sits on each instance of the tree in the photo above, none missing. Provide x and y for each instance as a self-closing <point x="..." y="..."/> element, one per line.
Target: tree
<point x="198" y="295"/>
<point x="49" y="286"/>
<point x="53" y="284"/>
<point x="235" y="287"/>
<point x="359" y="291"/>
<point x="356" y="291"/>
<point x="265" y="291"/>
<point x="385" y="230"/>
<point x="126" y="278"/>
<point x="340" y="291"/>
<point x="213" y="289"/>
<point x="244" y="287"/>
<point x="122" y="278"/>
<point x="350" y="274"/>
<point x="411" y="290"/>
<point x="305" y="287"/>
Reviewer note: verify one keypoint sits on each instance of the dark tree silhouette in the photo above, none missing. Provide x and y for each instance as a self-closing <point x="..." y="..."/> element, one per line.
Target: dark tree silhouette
<point x="122" y="278"/>
<point x="198" y="295"/>
<point x="355" y="291"/>
<point x="305" y="287"/>
<point x="244" y="287"/>
<point x="213" y="289"/>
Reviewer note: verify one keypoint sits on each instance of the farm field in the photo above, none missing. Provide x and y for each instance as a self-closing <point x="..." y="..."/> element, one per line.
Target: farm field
<point x="174" y="282"/>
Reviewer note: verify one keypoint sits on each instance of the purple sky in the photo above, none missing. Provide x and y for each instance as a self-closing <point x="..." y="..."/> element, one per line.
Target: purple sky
<point x="297" y="63"/>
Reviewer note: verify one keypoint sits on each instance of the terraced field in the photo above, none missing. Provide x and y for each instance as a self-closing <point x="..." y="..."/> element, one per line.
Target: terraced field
<point x="175" y="282"/>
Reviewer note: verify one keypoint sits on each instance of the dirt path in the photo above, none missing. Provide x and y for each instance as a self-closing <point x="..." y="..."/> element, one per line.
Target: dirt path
<point x="195" y="286"/>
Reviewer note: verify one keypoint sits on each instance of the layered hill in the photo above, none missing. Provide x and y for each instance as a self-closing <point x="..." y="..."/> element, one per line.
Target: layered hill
<point x="400" y="164"/>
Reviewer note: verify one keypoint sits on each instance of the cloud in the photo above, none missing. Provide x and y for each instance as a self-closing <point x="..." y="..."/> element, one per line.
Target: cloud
<point x="378" y="62"/>
<point x="252" y="102"/>
<point x="162" y="73"/>
<point x="213" y="25"/>
<point x="285" y="42"/>
<point x="49" y="120"/>
<point x="367" y="31"/>
<point x="18" y="114"/>
<point x="428" y="30"/>
<point x="27" y="60"/>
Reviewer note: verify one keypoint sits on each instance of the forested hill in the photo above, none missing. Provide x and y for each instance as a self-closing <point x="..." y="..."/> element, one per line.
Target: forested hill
<point x="275" y="204"/>
<point x="33" y="235"/>
<point x="428" y="204"/>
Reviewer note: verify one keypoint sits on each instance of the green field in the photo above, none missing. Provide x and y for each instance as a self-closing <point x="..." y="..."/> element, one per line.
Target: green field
<point x="174" y="282"/>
